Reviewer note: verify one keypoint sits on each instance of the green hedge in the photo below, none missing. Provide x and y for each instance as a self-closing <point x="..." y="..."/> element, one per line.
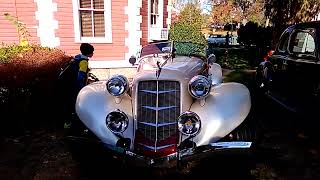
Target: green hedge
<point x="186" y="33"/>
<point x="188" y="28"/>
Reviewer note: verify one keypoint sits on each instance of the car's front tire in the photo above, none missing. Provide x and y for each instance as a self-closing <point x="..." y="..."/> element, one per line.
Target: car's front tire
<point x="250" y="130"/>
<point x="246" y="132"/>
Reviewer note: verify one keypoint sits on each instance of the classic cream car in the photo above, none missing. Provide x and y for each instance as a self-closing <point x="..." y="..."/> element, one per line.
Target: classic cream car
<point x="175" y="107"/>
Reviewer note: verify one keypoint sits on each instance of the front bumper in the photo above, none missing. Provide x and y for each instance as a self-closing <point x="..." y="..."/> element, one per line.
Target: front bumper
<point x="191" y="154"/>
<point x="169" y="161"/>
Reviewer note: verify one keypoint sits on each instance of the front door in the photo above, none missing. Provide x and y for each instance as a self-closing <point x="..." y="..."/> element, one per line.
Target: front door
<point x="278" y="73"/>
<point x="301" y="73"/>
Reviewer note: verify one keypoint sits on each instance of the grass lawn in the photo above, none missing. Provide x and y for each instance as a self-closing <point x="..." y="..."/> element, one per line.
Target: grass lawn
<point x="245" y="76"/>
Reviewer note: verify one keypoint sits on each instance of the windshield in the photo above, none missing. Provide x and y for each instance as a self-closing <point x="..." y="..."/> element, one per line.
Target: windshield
<point x="156" y="49"/>
<point x="189" y="48"/>
<point x="180" y="48"/>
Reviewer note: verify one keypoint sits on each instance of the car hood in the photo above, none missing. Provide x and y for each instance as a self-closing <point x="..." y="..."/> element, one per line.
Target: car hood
<point x="180" y="68"/>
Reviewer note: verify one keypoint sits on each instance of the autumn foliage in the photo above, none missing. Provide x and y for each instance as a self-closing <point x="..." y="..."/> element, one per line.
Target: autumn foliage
<point x="28" y="87"/>
<point x="36" y="64"/>
<point x="225" y="12"/>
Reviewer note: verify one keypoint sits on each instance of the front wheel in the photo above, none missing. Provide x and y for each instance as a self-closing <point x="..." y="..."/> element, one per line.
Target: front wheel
<point x="250" y="130"/>
<point x="246" y="132"/>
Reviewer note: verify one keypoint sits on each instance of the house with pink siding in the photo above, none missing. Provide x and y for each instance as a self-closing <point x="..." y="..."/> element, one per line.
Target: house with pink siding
<point x="116" y="28"/>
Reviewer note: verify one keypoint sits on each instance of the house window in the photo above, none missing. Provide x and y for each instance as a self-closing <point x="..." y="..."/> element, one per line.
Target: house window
<point x="154" y="13"/>
<point x="155" y="20"/>
<point x="92" y="21"/>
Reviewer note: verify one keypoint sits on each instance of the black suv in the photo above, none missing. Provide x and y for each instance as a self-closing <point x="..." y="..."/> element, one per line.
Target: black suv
<point x="291" y="76"/>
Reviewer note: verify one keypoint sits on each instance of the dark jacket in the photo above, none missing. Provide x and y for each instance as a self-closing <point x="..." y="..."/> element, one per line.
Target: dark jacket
<point x="82" y="61"/>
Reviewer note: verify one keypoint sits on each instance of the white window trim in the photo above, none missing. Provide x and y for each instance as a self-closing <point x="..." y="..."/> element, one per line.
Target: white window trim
<point x="159" y="26"/>
<point x="107" y="21"/>
<point x="133" y="26"/>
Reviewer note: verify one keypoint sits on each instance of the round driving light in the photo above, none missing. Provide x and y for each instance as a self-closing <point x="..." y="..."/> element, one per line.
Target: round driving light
<point x="117" y="121"/>
<point x="117" y="85"/>
<point x="199" y="87"/>
<point x="189" y="123"/>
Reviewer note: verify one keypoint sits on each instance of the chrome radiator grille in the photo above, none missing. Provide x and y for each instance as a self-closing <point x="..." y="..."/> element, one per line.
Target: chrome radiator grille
<point x="158" y="109"/>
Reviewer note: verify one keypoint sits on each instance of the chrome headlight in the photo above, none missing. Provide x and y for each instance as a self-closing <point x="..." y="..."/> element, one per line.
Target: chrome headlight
<point x="199" y="87"/>
<point x="189" y="123"/>
<point x="117" y="85"/>
<point x="117" y="121"/>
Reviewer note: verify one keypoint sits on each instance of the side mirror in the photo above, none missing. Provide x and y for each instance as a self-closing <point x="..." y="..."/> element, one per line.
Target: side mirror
<point x="212" y="59"/>
<point x="132" y="60"/>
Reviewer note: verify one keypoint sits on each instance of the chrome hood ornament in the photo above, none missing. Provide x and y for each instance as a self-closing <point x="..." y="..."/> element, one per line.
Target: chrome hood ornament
<point x="158" y="70"/>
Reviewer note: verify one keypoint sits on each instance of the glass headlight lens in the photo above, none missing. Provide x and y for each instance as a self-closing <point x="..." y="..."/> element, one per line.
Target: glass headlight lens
<point x="117" y="85"/>
<point x="189" y="123"/>
<point x="199" y="87"/>
<point x="117" y="121"/>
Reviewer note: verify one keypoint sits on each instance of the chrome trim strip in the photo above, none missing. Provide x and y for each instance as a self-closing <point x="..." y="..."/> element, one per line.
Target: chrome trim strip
<point x="231" y="144"/>
<point x="280" y="102"/>
<point x="159" y="92"/>
<point x="157" y="113"/>
<point x="158" y="108"/>
<point x="157" y="125"/>
<point x="156" y="148"/>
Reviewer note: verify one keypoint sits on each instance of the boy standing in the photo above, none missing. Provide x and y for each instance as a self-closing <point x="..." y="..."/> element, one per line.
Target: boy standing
<point x="82" y="59"/>
<point x="76" y="80"/>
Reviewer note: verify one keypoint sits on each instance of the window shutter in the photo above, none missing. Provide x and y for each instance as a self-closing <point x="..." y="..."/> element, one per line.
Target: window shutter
<point x="85" y="3"/>
<point x="98" y="18"/>
<point x="156" y="4"/>
<point x="86" y="24"/>
<point x="91" y="16"/>
<point x="98" y="4"/>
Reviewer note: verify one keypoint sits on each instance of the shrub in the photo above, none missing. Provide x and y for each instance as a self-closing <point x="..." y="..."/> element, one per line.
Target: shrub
<point x="186" y="33"/>
<point x="253" y="34"/>
<point x="28" y="86"/>
<point x="8" y="52"/>
<point x="188" y="27"/>
<point x="25" y="65"/>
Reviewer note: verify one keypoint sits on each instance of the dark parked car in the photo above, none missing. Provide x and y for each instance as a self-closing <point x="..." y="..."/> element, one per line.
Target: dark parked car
<point x="291" y="76"/>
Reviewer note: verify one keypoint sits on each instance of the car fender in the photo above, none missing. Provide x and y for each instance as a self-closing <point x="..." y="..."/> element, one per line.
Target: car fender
<point x="224" y="109"/>
<point x="93" y="105"/>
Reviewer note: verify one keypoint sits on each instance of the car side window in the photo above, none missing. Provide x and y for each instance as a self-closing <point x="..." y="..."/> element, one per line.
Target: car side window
<point x="302" y="42"/>
<point x="284" y="42"/>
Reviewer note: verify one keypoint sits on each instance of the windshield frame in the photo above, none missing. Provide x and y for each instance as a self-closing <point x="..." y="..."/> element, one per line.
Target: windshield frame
<point x="169" y="47"/>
